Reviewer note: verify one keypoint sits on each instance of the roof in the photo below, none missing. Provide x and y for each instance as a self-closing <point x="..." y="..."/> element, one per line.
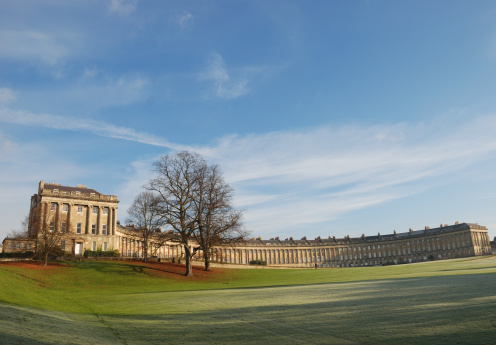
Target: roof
<point x="70" y="189"/>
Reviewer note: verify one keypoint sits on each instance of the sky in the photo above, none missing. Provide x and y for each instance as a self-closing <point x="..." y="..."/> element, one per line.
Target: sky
<point x="328" y="118"/>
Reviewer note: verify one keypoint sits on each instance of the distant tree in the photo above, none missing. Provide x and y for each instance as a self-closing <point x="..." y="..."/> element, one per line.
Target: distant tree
<point x="20" y="233"/>
<point x="146" y="214"/>
<point x="219" y="223"/>
<point x="177" y="182"/>
<point x="48" y="235"/>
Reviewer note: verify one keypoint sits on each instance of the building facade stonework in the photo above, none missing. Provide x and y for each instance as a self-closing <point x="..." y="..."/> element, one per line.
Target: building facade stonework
<point x="88" y="221"/>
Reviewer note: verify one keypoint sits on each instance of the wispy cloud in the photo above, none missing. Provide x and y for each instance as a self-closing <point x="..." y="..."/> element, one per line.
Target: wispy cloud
<point x="7" y="96"/>
<point x="223" y="86"/>
<point x="186" y="21"/>
<point x="122" y="7"/>
<point x="48" y="48"/>
<point x="293" y="179"/>
<point x="96" y="127"/>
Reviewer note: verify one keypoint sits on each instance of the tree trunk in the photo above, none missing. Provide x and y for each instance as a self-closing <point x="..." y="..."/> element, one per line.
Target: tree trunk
<point x="145" y="253"/>
<point x="207" y="261"/>
<point x="189" y="266"/>
<point x="46" y="260"/>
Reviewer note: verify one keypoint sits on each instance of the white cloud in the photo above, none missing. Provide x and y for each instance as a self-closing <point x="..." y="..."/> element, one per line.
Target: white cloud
<point x="6" y="145"/>
<point x="34" y="45"/>
<point x="223" y="86"/>
<point x="90" y="72"/>
<point x="7" y="96"/>
<point x="186" y="21"/>
<point x="293" y="180"/>
<point x="96" y="127"/>
<point x="297" y="179"/>
<point x="122" y="7"/>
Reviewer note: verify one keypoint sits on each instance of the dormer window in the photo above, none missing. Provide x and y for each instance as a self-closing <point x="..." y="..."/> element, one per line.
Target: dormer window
<point x="55" y="191"/>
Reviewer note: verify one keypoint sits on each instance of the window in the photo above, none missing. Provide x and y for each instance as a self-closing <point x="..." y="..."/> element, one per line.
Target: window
<point x="12" y="245"/>
<point x="93" y="246"/>
<point x="29" y="245"/>
<point x="63" y="227"/>
<point x="105" y="210"/>
<point x="52" y="226"/>
<point x="23" y="245"/>
<point x="65" y="207"/>
<point x="55" y="191"/>
<point x="80" y="208"/>
<point x="93" y="229"/>
<point x="95" y="210"/>
<point x="104" y="245"/>
<point x="53" y="207"/>
<point x="78" y="228"/>
<point x="18" y="245"/>
<point x="104" y="229"/>
<point x="62" y="245"/>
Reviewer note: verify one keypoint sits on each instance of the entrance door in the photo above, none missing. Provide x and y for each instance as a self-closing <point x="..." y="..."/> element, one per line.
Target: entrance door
<point x="79" y="247"/>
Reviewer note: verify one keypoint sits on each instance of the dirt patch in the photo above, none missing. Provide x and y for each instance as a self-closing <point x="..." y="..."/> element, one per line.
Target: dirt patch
<point x="34" y="265"/>
<point x="177" y="270"/>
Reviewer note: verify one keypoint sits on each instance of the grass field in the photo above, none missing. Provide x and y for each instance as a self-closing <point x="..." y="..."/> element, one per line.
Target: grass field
<point x="443" y="302"/>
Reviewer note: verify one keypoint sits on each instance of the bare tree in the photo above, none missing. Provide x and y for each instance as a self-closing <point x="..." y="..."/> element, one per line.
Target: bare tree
<point x="145" y="213"/>
<point x="23" y="232"/>
<point x="48" y="236"/>
<point x="177" y="183"/>
<point x="219" y="223"/>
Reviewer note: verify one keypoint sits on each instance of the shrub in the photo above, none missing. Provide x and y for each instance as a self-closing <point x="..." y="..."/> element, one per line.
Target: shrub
<point x="19" y="255"/>
<point x="258" y="262"/>
<point x="99" y="253"/>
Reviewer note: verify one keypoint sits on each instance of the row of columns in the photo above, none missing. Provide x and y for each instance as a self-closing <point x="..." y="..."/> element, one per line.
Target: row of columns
<point x="111" y="217"/>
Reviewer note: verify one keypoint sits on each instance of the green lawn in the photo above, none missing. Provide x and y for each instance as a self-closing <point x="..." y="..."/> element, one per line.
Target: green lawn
<point x="443" y="302"/>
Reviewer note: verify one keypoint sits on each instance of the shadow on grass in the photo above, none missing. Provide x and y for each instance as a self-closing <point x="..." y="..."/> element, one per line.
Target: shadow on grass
<point x="11" y="339"/>
<point x="438" y="310"/>
<point x="125" y="268"/>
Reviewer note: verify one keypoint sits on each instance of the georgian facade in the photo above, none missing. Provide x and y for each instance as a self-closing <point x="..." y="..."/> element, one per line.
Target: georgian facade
<point x="87" y="220"/>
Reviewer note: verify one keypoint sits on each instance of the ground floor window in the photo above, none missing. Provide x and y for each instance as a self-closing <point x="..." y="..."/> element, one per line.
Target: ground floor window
<point x="93" y="246"/>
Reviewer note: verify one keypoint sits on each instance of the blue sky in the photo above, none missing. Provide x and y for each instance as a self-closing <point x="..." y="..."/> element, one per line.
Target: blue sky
<point x="328" y="118"/>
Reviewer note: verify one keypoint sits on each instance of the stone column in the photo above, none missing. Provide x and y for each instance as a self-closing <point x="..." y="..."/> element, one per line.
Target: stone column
<point x="69" y="220"/>
<point x="58" y="217"/>
<point x="89" y="211"/>
<point x="109" y="221"/>
<point x="98" y="221"/>
<point x="114" y="220"/>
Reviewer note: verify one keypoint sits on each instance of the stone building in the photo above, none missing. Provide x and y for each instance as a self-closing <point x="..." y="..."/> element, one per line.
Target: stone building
<point x="87" y="220"/>
<point x="85" y="217"/>
<point x="445" y="242"/>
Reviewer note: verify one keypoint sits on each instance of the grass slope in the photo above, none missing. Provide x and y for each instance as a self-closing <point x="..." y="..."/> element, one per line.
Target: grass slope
<point x="444" y="302"/>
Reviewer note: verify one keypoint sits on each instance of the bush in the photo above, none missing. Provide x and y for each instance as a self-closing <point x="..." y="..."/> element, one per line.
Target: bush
<point x="19" y="255"/>
<point x="258" y="262"/>
<point x="99" y="253"/>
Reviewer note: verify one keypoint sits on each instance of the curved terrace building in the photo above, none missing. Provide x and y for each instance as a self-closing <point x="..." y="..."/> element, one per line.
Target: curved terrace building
<point x="88" y="221"/>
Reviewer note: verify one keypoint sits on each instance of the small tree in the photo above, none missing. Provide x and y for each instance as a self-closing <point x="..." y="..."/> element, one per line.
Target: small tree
<point x="47" y="235"/>
<point x="145" y="213"/>
<point x="218" y="222"/>
<point x="20" y="233"/>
